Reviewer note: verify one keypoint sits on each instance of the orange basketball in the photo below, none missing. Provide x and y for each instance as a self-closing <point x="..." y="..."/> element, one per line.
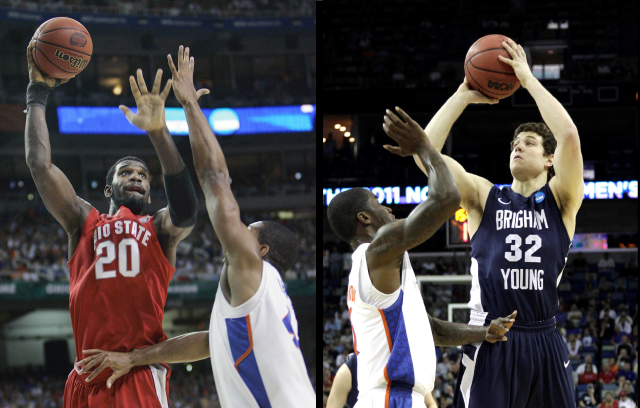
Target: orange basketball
<point x="485" y="72"/>
<point x="62" y="47"/>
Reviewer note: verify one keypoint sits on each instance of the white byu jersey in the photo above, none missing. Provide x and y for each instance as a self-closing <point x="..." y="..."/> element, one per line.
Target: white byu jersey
<point x="391" y="333"/>
<point x="255" y="350"/>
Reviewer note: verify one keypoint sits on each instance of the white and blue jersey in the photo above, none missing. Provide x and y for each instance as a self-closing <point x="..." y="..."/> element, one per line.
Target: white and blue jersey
<point x="518" y="254"/>
<point x="391" y="337"/>
<point x="255" y="350"/>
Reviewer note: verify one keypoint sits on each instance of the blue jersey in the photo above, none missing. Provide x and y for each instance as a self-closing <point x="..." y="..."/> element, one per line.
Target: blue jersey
<point x="518" y="254"/>
<point x="352" y="364"/>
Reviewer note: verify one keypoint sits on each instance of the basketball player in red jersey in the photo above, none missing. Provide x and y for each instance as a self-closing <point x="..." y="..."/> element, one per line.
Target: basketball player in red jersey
<point x="120" y="263"/>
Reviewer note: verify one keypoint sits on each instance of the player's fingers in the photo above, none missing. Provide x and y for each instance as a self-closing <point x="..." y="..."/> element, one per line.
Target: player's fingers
<point x="156" y="82"/>
<point x="113" y="379"/>
<point x="93" y="351"/>
<point x="81" y="363"/>
<point x="513" y="315"/>
<point x="127" y="113"/>
<point x="91" y="364"/>
<point x="186" y="56"/>
<point x="172" y="67"/>
<point x="200" y="92"/>
<point x="166" y="90"/>
<point x="192" y="62"/>
<point x="141" y="83"/>
<point x="391" y="133"/>
<point x="404" y="115"/>
<point x="394" y="118"/>
<point x="503" y="59"/>
<point x="509" y="49"/>
<point x="134" y="88"/>
<point x="393" y="149"/>
<point x="29" y="55"/>
<point x="180" y="57"/>
<point x="97" y="370"/>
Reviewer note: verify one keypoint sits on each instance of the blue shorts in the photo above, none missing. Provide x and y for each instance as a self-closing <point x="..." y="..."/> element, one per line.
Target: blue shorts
<point x="530" y="369"/>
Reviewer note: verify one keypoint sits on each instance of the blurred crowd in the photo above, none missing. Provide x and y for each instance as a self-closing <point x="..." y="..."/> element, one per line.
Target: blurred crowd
<point x="597" y="317"/>
<point x="33" y="247"/>
<point x="35" y="389"/>
<point x="192" y="8"/>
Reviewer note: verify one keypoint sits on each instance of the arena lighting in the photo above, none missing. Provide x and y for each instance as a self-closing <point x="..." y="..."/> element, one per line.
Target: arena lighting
<point x="593" y="190"/>
<point x="117" y="90"/>
<point x="342" y="128"/>
<point x="324" y="140"/>
<point x="347" y="134"/>
<point x="337" y="126"/>
<point x="351" y="139"/>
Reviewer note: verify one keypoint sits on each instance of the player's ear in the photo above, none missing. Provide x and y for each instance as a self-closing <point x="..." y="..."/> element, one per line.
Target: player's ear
<point x="364" y="218"/>
<point x="549" y="160"/>
<point x="108" y="191"/>
<point x="264" y="250"/>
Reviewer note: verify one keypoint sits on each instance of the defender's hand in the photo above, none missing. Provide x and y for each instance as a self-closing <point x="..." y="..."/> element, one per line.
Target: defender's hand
<point x="471" y="96"/>
<point x="409" y="135"/>
<point x="150" y="114"/>
<point x="518" y="61"/>
<point x="120" y="363"/>
<point x="35" y="75"/>
<point x="499" y="327"/>
<point x="183" y="78"/>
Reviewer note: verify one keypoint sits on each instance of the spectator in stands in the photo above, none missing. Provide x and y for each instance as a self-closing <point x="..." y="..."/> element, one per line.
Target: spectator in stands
<point x="626" y="372"/>
<point x="625" y="401"/>
<point x="327" y="380"/>
<point x="589" y="399"/>
<point x="628" y="388"/>
<point x="441" y="267"/>
<point x="609" y="402"/>
<point x="429" y="266"/>
<point x="624" y="322"/>
<point x="333" y="324"/>
<point x="587" y="360"/>
<point x="621" y="284"/>
<point x="625" y="345"/>
<point x="446" y="400"/>
<point x="606" y="264"/>
<point x="614" y="366"/>
<point x="623" y="357"/>
<point x="588" y="340"/>
<point x="588" y="376"/>
<point x="579" y="263"/>
<point x="617" y="335"/>
<point x="574" y="346"/>
<point x="605" y="285"/>
<point x="591" y="292"/>
<point x="574" y="316"/>
<point x="342" y="357"/>
<point x="606" y="375"/>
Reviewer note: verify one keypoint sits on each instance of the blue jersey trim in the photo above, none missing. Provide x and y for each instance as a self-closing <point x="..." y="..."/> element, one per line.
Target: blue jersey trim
<point x="241" y="344"/>
<point x="400" y="364"/>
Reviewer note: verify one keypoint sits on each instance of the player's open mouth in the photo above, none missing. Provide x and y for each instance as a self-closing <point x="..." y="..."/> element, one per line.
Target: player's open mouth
<point x="136" y="190"/>
<point x="517" y="157"/>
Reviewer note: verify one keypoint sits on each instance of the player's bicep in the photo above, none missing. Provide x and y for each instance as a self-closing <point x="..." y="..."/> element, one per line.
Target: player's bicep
<point x="167" y="227"/>
<point x="568" y="181"/>
<point x="236" y="239"/>
<point x="340" y="388"/>
<point x="466" y="182"/>
<point x="60" y="198"/>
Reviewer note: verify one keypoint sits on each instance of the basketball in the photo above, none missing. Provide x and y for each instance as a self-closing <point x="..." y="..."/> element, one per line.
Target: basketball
<point x="485" y="72"/>
<point x="62" y="47"/>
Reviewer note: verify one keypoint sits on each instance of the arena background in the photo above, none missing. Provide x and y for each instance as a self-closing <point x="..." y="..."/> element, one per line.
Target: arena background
<point x="249" y="53"/>
<point x="378" y="55"/>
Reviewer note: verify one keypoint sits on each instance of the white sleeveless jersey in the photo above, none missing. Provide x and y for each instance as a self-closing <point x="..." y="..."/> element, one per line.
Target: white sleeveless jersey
<point x="255" y="351"/>
<point x="394" y="344"/>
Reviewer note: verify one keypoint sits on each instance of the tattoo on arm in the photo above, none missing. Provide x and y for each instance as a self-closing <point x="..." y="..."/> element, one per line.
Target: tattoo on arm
<point x="449" y="334"/>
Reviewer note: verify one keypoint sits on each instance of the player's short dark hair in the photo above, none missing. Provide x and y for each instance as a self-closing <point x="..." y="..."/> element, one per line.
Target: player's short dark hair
<point x="112" y="170"/>
<point x="282" y="242"/>
<point x="343" y="211"/>
<point x="549" y="142"/>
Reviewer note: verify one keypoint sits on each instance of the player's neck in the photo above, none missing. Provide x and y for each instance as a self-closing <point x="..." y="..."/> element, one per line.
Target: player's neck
<point x="527" y="187"/>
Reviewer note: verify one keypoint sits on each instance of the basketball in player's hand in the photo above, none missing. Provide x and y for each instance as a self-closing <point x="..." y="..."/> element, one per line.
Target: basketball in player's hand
<point x="485" y="72"/>
<point x="62" y="47"/>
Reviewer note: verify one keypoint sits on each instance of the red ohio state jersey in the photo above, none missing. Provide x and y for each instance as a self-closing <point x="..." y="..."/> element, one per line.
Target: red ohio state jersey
<point x="119" y="281"/>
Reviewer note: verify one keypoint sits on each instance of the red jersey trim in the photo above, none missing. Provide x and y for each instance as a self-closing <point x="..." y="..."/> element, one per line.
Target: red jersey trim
<point x="246" y="353"/>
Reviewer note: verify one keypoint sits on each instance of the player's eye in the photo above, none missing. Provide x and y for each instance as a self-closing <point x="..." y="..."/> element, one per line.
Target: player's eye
<point x="124" y="172"/>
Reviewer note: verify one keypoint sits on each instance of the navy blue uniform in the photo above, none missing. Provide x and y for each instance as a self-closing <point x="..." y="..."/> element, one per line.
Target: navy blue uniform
<point x="352" y="364"/>
<point x="518" y="255"/>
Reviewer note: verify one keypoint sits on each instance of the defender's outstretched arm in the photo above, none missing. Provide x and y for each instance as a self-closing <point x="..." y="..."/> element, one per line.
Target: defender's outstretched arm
<point x="239" y="244"/>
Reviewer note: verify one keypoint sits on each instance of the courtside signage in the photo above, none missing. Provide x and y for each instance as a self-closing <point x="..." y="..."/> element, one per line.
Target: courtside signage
<point x="593" y="190"/>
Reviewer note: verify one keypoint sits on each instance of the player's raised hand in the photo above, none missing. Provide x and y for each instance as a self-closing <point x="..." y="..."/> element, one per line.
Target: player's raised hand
<point x="499" y="327"/>
<point x="35" y="75"/>
<point x="471" y="96"/>
<point x="120" y="363"/>
<point x="150" y="115"/>
<point x="183" y="78"/>
<point x="518" y="61"/>
<point x="408" y="133"/>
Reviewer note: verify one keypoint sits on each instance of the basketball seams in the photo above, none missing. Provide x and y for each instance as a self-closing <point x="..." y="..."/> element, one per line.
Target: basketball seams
<point x="480" y="86"/>
<point x="66" y="48"/>
<point x="52" y="63"/>
<point x="65" y="28"/>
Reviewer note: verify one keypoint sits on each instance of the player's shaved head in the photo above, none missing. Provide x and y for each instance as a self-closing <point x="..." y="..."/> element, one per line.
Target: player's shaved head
<point x="112" y="170"/>
<point x="282" y="243"/>
<point x="343" y="211"/>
